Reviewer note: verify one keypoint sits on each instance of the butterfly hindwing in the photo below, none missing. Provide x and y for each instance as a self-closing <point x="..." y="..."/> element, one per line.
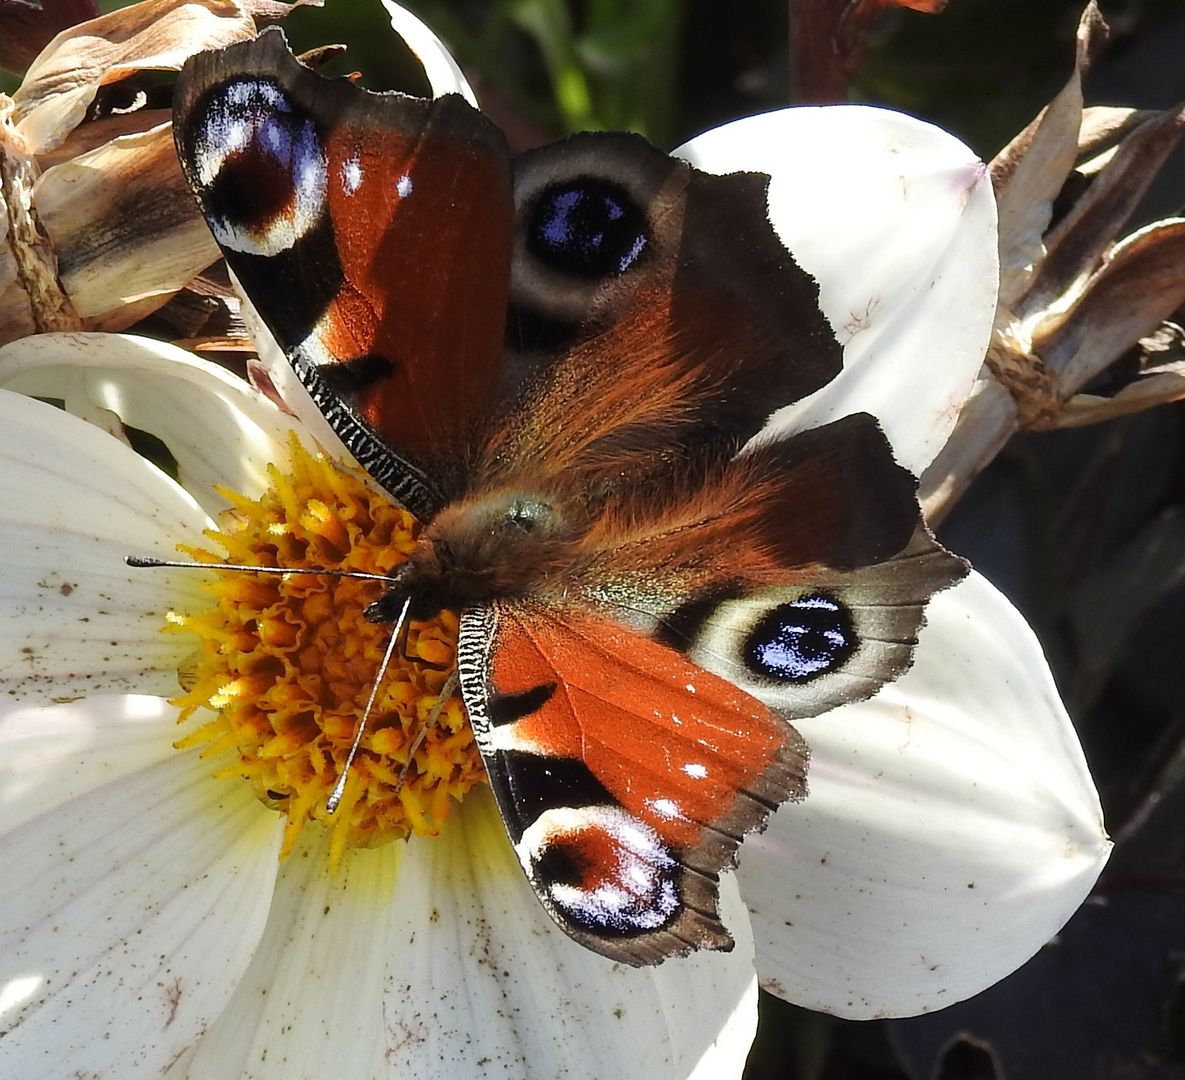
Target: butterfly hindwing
<point x="373" y="233"/>
<point x="634" y="269"/>
<point x="626" y="775"/>
<point x="799" y="570"/>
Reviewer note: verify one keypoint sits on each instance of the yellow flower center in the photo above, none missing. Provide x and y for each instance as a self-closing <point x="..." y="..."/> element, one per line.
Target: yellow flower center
<point x="288" y="661"/>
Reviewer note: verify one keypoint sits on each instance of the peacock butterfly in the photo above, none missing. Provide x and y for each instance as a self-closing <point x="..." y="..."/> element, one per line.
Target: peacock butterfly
<point x="563" y="364"/>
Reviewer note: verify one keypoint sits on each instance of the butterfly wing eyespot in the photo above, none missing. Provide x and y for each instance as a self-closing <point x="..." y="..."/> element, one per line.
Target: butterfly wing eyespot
<point x="804" y="649"/>
<point x="586" y="212"/>
<point x="801" y="639"/>
<point x="603" y="870"/>
<point x="260" y="168"/>
<point x="586" y="228"/>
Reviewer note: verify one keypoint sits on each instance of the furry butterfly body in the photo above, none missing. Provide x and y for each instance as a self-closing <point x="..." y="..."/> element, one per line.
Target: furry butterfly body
<point x="565" y="365"/>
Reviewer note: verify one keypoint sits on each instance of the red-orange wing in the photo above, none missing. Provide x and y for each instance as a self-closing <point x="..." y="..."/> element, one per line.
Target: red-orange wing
<point x="373" y="232"/>
<point x="626" y="775"/>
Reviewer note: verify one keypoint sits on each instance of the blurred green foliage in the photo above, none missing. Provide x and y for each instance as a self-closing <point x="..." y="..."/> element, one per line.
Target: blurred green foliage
<point x="671" y="68"/>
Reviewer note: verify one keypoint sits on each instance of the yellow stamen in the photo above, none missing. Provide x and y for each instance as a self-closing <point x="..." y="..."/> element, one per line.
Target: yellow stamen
<point x="288" y="662"/>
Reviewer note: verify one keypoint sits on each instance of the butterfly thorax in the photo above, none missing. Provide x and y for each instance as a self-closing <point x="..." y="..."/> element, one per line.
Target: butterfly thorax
<point x="501" y="544"/>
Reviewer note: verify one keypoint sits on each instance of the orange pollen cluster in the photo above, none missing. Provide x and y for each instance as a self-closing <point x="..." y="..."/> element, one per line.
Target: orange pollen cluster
<point x="288" y="661"/>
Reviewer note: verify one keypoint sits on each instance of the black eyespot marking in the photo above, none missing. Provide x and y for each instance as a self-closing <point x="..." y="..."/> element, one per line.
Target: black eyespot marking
<point x="250" y="192"/>
<point x="801" y="640"/>
<point x="587" y="228"/>
<point x="528" y="786"/>
<point x="354" y="376"/>
<point x="507" y="708"/>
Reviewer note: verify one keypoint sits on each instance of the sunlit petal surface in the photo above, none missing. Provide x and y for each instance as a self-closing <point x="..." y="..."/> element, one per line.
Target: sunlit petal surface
<point x="217" y="428"/>
<point x="896" y="220"/>
<point x="460" y="973"/>
<point x="443" y="72"/>
<point x="135" y="892"/>
<point x="73" y="618"/>
<point x="311" y="1003"/>
<point x="951" y="827"/>
<point x="283" y="384"/>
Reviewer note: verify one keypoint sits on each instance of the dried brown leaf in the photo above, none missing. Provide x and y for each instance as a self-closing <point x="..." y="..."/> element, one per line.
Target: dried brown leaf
<point x="153" y="35"/>
<point x="1076" y="244"/>
<point x="274" y="10"/>
<point x="125" y="228"/>
<point x="94" y="133"/>
<point x="1141" y="283"/>
<point x="1158" y="389"/>
<point x="1029" y="172"/>
<point x="16" y="315"/>
<point x="1106" y="126"/>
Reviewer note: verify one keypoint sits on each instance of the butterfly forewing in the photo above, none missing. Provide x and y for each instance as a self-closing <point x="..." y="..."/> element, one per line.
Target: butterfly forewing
<point x="373" y="233"/>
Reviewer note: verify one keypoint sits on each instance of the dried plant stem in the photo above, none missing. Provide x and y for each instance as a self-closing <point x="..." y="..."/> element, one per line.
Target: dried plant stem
<point x="35" y="262"/>
<point x="819" y="64"/>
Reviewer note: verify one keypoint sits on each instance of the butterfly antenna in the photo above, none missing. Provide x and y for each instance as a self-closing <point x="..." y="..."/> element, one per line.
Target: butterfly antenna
<point x="446" y="692"/>
<point x="142" y="561"/>
<point x="339" y="789"/>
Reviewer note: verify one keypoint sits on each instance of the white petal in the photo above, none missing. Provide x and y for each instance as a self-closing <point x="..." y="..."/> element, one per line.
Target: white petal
<point x="50" y="755"/>
<point x="134" y="896"/>
<point x="73" y="502"/>
<point x="484" y="983"/>
<point x="311" y="1003"/>
<point x="950" y="829"/>
<point x="443" y="73"/>
<point x="363" y="974"/>
<point x="729" y="1051"/>
<point x="896" y="220"/>
<point x="219" y="428"/>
